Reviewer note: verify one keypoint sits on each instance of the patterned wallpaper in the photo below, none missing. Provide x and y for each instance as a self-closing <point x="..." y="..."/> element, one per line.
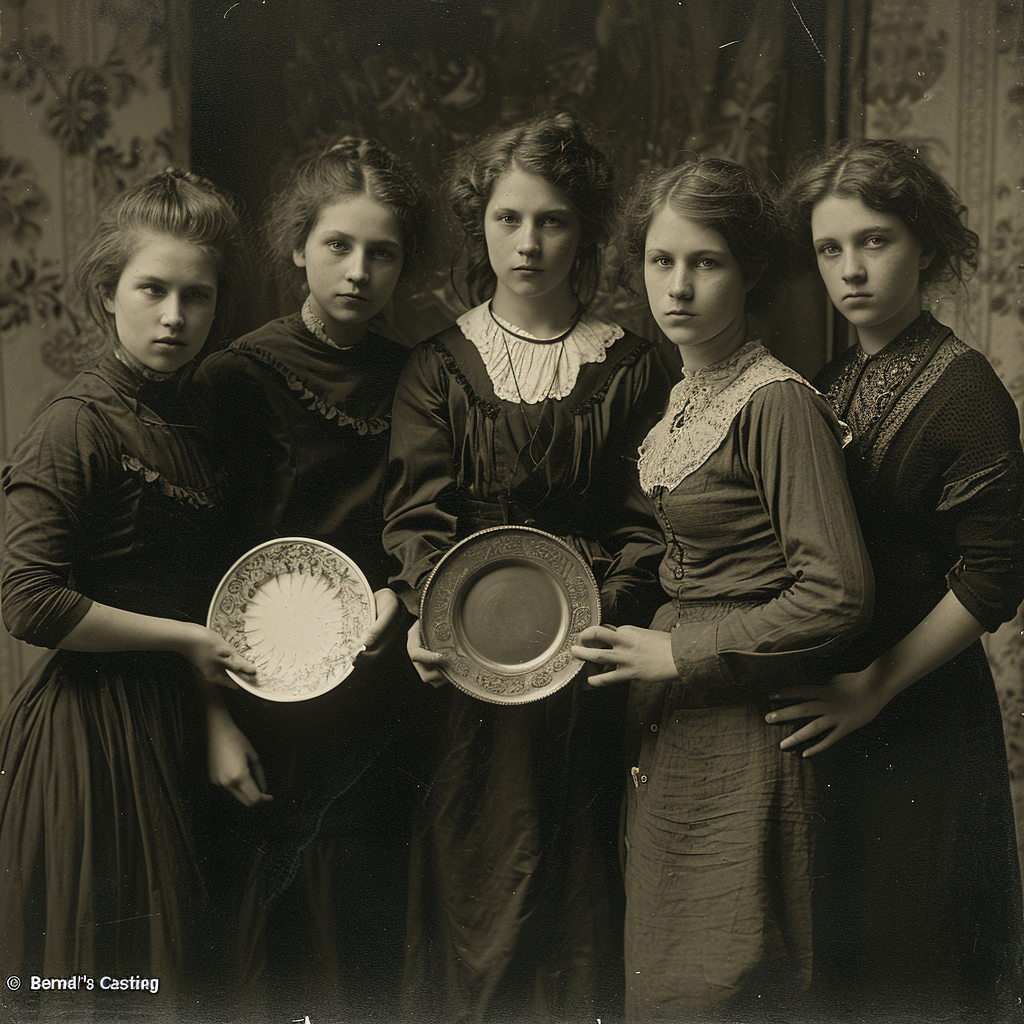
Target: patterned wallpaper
<point x="947" y="76"/>
<point x="654" y="78"/>
<point x="91" y="97"/>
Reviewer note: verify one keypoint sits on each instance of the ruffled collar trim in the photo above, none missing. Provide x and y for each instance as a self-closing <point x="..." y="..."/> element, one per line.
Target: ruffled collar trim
<point x="532" y="370"/>
<point x="701" y="409"/>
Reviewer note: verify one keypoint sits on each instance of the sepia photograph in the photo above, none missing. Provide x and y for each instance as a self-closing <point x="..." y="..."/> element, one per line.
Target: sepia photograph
<point x="512" y="511"/>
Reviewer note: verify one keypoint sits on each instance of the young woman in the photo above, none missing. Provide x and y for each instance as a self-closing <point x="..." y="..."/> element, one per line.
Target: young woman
<point x="526" y="411"/>
<point x="110" y="499"/>
<point x="765" y="571"/>
<point x="301" y="413"/>
<point x="923" y="901"/>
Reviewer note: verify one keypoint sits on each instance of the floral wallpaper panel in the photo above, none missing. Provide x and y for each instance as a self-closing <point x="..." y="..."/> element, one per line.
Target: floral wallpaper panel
<point x="91" y="97"/>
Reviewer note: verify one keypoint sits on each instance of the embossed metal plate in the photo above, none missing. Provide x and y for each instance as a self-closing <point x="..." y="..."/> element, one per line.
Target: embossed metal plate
<point x="504" y="606"/>
<point x="295" y="607"/>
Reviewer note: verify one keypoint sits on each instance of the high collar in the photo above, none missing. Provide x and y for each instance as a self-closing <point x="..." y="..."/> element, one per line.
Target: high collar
<point x="164" y="395"/>
<point x="921" y="330"/>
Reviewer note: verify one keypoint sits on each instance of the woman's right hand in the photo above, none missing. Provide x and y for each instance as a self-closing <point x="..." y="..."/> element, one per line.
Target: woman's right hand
<point x="213" y="656"/>
<point x="425" y="662"/>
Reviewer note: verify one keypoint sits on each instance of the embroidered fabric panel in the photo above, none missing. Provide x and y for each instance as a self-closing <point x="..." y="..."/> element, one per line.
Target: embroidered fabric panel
<point x="864" y="388"/>
<point x="530" y="371"/>
<point x="700" y="411"/>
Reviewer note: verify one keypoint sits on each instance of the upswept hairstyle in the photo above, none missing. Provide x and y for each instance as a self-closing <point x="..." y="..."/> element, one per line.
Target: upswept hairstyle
<point x="892" y="178"/>
<point x="726" y="197"/>
<point x="554" y="147"/>
<point x="349" y="167"/>
<point x="176" y="203"/>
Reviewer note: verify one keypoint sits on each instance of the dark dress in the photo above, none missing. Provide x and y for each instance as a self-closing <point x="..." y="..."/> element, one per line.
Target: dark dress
<point x="766" y="573"/>
<point x="302" y="429"/>
<point x="102" y="756"/>
<point x="921" y="911"/>
<point x="515" y="907"/>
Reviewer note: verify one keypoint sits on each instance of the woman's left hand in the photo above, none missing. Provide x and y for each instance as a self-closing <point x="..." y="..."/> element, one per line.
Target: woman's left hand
<point x="836" y="709"/>
<point x="232" y="760"/>
<point x="626" y="654"/>
<point x="385" y="626"/>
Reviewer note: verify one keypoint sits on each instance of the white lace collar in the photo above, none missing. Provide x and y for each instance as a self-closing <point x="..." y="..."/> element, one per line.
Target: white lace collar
<point x="700" y="411"/>
<point x="530" y="371"/>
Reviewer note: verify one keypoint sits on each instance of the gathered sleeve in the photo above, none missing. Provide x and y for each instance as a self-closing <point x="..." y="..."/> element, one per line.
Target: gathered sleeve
<point x="60" y="462"/>
<point x="983" y="494"/>
<point x="788" y="441"/>
<point x="420" y="500"/>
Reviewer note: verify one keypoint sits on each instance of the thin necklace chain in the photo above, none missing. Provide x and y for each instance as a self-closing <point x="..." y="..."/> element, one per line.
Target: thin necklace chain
<point x="577" y="317"/>
<point x="534" y="431"/>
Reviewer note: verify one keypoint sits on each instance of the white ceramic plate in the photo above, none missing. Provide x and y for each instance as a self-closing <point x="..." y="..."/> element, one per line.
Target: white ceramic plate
<point x="295" y="607"/>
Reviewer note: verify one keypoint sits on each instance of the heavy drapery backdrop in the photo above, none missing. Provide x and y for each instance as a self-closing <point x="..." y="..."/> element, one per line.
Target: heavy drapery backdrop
<point x="95" y="93"/>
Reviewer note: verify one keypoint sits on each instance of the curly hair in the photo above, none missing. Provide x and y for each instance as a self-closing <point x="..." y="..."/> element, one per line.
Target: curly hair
<point x="176" y="203"/>
<point x="348" y="167"/>
<point x="892" y="178"/>
<point x="554" y="147"/>
<point x="727" y="197"/>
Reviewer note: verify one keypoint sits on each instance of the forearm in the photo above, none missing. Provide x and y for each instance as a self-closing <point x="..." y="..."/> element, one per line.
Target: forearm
<point x="104" y="628"/>
<point x="941" y="635"/>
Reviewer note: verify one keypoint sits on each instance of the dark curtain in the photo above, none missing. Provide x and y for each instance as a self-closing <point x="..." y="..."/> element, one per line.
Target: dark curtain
<point x="757" y="81"/>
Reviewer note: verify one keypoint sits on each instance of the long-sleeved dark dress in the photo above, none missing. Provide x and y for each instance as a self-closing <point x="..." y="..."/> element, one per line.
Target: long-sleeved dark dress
<point x="302" y="430"/>
<point x="515" y="908"/>
<point x="922" y="902"/>
<point x="766" y="572"/>
<point x="102" y="755"/>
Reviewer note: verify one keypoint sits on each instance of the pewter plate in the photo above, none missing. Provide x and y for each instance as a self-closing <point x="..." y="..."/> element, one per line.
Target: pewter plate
<point x="295" y="607"/>
<point x="504" y="606"/>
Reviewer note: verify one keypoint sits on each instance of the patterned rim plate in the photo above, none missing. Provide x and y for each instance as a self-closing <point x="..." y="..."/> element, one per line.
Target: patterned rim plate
<point x="295" y="607"/>
<point x="505" y="605"/>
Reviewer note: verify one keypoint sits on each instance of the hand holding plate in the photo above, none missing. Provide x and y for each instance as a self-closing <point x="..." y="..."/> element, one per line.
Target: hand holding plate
<point x="626" y="654"/>
<point x="214" y="657"/>
<point x="424" y="661"/>
<point x="384" y="627"/>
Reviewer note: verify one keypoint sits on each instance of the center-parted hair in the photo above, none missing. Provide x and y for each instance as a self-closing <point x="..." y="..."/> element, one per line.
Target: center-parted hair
<point x="177" y="203"/>
<point x="554" y="147"/>
<point x="892" y="178"/>
<point x="349" y="167"/>
<point x="723" y="195"/>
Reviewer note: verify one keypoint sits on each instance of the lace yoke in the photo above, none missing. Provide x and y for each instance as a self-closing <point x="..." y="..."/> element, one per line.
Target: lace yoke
<point x="701" y="410"/>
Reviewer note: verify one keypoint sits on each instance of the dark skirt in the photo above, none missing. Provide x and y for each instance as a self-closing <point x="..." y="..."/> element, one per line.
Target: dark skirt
<point x="103" y="768"/>
<point x="516" y="898"/>
<point x="312" y="887"/>
<point x="919" y="910"/>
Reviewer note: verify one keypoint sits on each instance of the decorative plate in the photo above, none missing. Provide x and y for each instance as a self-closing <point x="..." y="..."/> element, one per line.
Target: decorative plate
<point x="295" y="607"/>
<point x="504" y="606"/>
